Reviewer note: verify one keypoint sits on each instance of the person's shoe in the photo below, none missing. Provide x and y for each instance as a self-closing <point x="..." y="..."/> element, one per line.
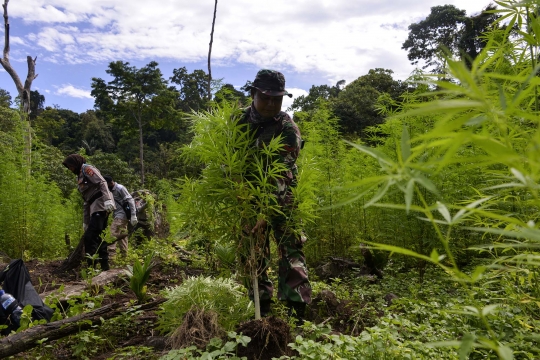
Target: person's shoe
<point x="105" y="267"/>
<point x="297" y="310"/>
<point x="265" y="307"/>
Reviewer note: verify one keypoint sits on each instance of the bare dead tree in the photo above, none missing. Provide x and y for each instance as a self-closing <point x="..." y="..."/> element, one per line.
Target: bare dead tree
<point x="24" y="91"/>
<point x="210" y="53"/>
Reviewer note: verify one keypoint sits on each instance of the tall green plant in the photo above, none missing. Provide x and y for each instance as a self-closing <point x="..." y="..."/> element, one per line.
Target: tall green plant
<point x="484" y="121"/>
<point x="31" y="206"/>
<point x="330" y="164"/>
<point x="236" y="188"/>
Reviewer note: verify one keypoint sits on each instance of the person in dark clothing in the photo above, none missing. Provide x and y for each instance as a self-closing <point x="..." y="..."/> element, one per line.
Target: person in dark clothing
<point x="98" y="203"/>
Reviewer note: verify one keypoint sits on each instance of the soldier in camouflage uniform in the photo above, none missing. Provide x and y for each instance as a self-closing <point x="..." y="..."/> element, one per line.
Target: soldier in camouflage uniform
<point x="266" y="121"/>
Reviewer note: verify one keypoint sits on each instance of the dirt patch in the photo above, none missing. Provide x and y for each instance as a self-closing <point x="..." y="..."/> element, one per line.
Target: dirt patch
<point x="269" y="338"/>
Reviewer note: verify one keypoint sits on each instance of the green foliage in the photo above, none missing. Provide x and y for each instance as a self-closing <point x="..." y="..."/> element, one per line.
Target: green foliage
<point x="215" y="349"/>
<point x="138" y="276"/>
<point x="31" y="205"/>
<point x="237" y="186"/>
<point x="137" y="97"/>
<point x="483" y="129"/>
<point x="192" y="89"/>
<point x="355" y="106"/>
<point x="324" y="165"/>
<point x="134" y="352"/>
<point x="87" y="344"/>
<point x="227" y="298"/>
<point x="447" y="30"/>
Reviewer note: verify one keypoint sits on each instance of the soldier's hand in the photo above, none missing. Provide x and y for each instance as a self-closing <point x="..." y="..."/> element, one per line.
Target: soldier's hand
<point x="84" y="226"/>
<point x="109" y="206"/>
<point x="133" y="221"/>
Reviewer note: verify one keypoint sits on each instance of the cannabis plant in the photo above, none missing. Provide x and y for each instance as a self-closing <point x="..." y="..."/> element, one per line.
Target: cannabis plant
<point x="236" y="187"/>
<point x="223" y="296"/>
<point x="484" y="127"/>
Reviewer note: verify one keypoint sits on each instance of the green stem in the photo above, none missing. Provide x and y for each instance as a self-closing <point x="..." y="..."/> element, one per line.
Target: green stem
<point x="442" y="238"/>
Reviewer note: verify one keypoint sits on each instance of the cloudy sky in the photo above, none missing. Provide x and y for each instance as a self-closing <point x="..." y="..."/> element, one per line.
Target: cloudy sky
<point x="312" y="42"/>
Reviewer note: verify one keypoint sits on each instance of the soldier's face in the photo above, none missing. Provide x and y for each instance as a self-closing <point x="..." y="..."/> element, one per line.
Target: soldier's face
<point x="266" y="105"/>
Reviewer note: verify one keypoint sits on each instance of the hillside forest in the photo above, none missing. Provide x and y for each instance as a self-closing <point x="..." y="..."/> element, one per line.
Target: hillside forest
<point x="419" y="199"/>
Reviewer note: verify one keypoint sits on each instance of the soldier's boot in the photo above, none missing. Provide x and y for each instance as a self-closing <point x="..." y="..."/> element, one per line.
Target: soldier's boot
<point x="104" y="264"/>
<point x="297" y="310"/>
<point x="265" y="307"/>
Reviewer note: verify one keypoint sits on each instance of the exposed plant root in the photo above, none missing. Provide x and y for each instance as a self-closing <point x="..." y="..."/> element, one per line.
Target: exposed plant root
<point x="198" y="327"/>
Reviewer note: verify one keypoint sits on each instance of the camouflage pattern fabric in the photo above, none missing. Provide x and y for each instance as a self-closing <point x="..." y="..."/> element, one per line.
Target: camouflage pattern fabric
<point x="293" y="283"/>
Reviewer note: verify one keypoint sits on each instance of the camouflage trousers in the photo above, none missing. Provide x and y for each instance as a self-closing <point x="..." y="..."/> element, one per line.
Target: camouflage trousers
<point x="293" y="283"/>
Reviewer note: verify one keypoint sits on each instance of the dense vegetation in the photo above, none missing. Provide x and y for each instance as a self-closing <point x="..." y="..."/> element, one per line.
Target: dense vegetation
<point x="438" y="175"/>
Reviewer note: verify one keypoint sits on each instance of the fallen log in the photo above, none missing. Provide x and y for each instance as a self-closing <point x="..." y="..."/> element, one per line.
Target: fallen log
<point x="27" y="339"/>
<point x="103" y="278"/>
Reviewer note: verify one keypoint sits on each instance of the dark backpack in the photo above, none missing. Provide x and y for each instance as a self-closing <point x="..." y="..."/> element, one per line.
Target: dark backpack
<point x="16" y="281"/>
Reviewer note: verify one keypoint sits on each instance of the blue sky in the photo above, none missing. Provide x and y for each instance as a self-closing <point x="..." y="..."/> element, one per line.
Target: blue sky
<point x="312" y="42"/>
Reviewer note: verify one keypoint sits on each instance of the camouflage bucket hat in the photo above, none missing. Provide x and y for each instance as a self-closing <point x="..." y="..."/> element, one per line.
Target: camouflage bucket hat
<point x="270" y="82"/>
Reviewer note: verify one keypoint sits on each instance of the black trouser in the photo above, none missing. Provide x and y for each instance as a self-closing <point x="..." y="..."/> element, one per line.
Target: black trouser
<point x="93" y="243"/>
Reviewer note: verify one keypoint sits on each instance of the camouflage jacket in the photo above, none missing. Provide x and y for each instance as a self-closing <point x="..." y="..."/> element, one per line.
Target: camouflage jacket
<point x="265" y="130"/>
<point x="94" y="191"/>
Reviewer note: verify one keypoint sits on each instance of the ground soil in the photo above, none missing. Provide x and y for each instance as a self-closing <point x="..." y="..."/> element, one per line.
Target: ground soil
<point x="270" y="336"/>
<point x="142" y="330"/>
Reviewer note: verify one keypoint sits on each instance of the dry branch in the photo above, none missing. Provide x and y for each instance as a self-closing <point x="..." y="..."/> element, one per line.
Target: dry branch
<point x="210" y="52"/>
<point x="28" y="338"/>
<point x="24" y="91"/>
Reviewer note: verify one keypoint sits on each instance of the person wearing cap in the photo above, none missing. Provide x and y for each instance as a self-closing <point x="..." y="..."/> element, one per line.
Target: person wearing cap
<point x="266" y="121"/>
<point x="123" y="201"/>
<point x="98" y="203"/>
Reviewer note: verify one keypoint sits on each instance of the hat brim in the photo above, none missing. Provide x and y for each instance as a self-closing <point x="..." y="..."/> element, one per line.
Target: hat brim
<point x="271" y="92"/>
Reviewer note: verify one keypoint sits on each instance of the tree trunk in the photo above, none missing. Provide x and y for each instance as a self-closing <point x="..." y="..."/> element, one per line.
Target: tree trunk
<point x="23" y="91"/>
<point x="27" y="339"/>
<point x="210" y="53"/>
<point x="141" y="148"/>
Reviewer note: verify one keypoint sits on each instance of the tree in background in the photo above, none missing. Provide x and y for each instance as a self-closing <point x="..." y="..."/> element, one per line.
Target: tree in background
<point x="309" y="102"/>
<point x="472" y="39"/>
<point x="447" y="28"/>
<point x="429" y="38"/>
<point x="37" y="102"/>
<point x="95" y="131"/>
<point x="355" y="105"/>
<point x="5" y="98"/>
<point x="192" y="89"/>
<point x="49" y="125"/>
<point x="132" y="96"/>
<point x="228" y="93"/>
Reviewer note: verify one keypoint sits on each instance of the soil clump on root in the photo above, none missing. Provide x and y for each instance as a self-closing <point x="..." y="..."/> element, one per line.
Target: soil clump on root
<point x="270" y="337"/>
<point x="198" y="328"/>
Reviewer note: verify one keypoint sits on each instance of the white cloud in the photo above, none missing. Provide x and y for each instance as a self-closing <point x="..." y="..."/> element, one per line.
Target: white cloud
<point x="71" y="91"/>
<point x="337" y="39"/>
<point x="287" y="101"/>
